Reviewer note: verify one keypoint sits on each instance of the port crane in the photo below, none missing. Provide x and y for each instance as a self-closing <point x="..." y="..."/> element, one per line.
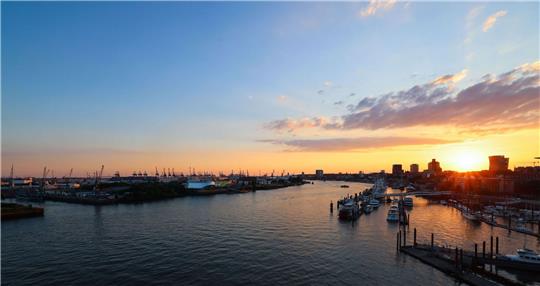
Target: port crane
<point x="98" y="177"/>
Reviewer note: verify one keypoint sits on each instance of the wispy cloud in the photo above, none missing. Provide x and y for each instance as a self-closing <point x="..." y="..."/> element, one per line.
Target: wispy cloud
<point x="490" y="21"/>
<point x="376" y="5"/>
<point x="353" y="144"/>
<point x="509" y="101"/>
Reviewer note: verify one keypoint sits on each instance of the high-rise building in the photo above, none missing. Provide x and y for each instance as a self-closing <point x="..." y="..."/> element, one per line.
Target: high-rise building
<point x="434" y="167"/>
<point x="414" y="168"/>
<point x="319" y="173"/>
<point x="498" y="163"/>
<point x="397" y="169"/>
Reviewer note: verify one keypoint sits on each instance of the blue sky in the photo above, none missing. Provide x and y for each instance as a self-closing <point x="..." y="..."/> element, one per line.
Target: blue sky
<point x="155" y="77"/>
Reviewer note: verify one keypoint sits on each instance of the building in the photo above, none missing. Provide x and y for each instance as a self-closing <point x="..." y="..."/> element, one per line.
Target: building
<point x="498" y="164"/>
<point x="319" y="173"/>
<point x="414" y="168"/>
<point x="434" y="167"/>
<point x="397" y="169"/>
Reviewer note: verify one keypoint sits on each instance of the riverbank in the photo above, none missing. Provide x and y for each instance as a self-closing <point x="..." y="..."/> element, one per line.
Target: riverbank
<point x="150" y="192"/>
<point x="17" y="211"/>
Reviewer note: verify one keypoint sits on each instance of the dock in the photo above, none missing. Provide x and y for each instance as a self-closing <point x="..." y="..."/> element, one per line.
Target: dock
<point x="466" y="266"/>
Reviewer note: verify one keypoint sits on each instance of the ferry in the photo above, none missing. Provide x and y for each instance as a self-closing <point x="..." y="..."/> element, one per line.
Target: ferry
<point x="199" y="183"/>
<point x="393" y="215"/>
<point x="349" y="210"/>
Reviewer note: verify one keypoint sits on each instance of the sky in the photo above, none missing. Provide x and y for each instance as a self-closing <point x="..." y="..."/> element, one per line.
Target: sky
<point x="262" y="86"/>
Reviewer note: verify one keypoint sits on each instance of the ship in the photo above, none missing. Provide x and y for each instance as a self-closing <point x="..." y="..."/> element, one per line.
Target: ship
<point x="198" y="183"/>
<point x="349" y="210"/>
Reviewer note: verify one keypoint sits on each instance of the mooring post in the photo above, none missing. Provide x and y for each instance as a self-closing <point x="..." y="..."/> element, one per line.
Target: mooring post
<point x="491" y="248"/>
<point x="408" y="220"/>
<point x="432" y="240"/>
<point x="497" y="245"/>
<point x="331" y="207"/>
<point x="476" y="250"/>
<point x="404" y="236"/>
<point x="397" y="241"/>
<point x="414" y="243"/>
<point x="461" y="258"/>
<point x="483" y="249"/>
<point x="456" y="257"/>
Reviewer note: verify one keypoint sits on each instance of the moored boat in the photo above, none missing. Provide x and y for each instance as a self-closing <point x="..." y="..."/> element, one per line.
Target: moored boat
<point x="393" y="214"/>
<point x="349" y="210"/>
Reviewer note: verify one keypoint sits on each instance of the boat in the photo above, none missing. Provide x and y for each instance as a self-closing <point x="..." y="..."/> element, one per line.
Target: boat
<point x="443" y="202"/>
<point x="368" y="209"/>
<point x="374" y="203"/>
<point x="393" y="214"/>
<point x="344" y="186"/>
<point x="524" y="255"/>
<point x="349" y="210"/>
<point x="197" y="183"/>
<point x="470" y="216"/>
<point x="408" y="202"/>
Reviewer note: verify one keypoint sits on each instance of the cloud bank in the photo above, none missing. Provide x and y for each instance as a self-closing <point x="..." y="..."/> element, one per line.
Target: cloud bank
<point x="509" y="101"/>
<point x="353" y="144"/>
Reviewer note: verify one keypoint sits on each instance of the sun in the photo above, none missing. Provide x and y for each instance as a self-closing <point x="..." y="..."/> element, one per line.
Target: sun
<point x="467" y="160"/>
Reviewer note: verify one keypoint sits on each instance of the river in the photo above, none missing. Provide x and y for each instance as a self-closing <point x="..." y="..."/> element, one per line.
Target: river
<point x="285" y="236"/>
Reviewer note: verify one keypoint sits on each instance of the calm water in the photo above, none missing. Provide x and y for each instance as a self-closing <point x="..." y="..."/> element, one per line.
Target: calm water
<point x="273" y="237"/>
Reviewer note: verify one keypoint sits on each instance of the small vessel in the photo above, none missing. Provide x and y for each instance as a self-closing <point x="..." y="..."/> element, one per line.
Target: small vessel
<point x="470" y="215"/>
<point x="374" y="203"/>
<point x="408" y="201"/>
<point x="349" y="210"/>
<point x="368" y="209"/>
<point x="344" y="186"/>
<point x="524" y="255"/>
<point x="393" y="215"/>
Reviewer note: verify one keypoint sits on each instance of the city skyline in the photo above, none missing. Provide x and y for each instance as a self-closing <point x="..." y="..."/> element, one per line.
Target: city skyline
<point x="343" y="87"/>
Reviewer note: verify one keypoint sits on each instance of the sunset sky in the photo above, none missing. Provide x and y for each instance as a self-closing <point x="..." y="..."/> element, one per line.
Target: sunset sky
<point x="343" y="87"/>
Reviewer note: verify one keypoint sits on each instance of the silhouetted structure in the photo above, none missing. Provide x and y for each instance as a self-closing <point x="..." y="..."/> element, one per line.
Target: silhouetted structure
<point x="434" y="167"/>
<point x="397" y="169"/>
<point x="414" y="168"/>
<point x="498" y="164"/>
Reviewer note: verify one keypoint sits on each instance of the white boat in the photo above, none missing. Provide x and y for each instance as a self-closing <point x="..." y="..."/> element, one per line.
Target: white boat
<point x="393" y="214"/>
<point x="524" y="255"/>
<point x="374" y="203"/>
<point x="199" y="183"/>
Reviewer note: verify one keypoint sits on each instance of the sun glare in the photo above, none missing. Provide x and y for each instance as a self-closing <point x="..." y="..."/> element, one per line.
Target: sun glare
<point x="468" y="161"/>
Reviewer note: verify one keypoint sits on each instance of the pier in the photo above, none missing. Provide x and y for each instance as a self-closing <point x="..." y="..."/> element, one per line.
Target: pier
<point x="467" y="266"/>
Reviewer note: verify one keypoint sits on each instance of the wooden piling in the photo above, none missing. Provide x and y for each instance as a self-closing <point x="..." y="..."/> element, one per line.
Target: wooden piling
<point x="483" y="249"/>
<point x="404" y="236"/>
<point x="397" y="241"/>
<point x="456" y="257"/>
<point x="491" y="247"/>
<point x="432" y="240"/>
<point x="461" y="258"/>
<point x="331" y="207"/>
<point x="414" y="237"/>
<point x="497" y="245"/>
<point x="476" y="250"/>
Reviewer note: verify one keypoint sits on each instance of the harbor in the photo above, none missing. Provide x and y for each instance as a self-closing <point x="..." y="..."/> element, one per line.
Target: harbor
<point x="280" y="234"/>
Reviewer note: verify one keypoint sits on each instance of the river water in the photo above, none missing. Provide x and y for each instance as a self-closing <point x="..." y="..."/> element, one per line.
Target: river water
<point x="285" y="236"/>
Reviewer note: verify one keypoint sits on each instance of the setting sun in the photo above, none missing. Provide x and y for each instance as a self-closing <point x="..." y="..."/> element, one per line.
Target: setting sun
<point x="468" y="160"/>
